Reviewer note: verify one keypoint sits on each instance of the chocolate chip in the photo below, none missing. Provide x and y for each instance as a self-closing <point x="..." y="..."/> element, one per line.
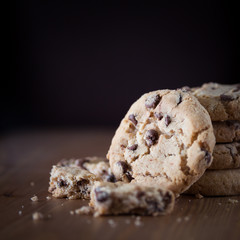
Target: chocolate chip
<point x="207" y="156"/>
<point x="62" y="183"/>
<point x="140" y="194"/>
<point x="159" y="116"/>
<point x="152" y="205"/>
<point x="111" y="178"/>
<point x="152" y="101"/>
<point x="129" y="176"/>
<point x="226" y="98"/>
<point x="133" y="119"/>
<point x="167" y="120"/>
<point x="167" y="198"/>
<point x="82" y="182"/>
<point x="231" y="152"/>
<point x="133" y="147"/>
<point x="123" y="165"/>
<point x="101" y="196"/>
<point x="80" y="162"/>
<point x="151" y="137"/>
<point x="179" y="99"/>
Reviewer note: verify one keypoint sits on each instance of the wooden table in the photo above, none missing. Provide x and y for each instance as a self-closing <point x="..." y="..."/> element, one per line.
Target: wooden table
<point x="28" y="156"/>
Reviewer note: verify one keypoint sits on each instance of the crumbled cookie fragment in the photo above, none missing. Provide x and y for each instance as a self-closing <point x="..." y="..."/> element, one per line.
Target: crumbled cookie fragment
<point x="71" y="212"/>
<point x="130" y="198"/>
<point x="84" y="210"/>
<point x="232" y="200"/>
<point x="34" y="198"/>
<point x="199" y="196"/>
<point x="48" y="198"/>
<point x="71" y="182"/>
<point x="37" y="216"/>
<point x="20" y="213"/>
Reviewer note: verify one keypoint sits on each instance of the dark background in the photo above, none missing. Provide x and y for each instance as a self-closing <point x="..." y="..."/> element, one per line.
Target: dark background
<point x="84" y="64"/>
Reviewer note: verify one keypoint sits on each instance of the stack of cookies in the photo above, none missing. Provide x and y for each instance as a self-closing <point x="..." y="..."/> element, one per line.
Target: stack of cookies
<point x="223" y="105"/>
<point x="162" y="148"/>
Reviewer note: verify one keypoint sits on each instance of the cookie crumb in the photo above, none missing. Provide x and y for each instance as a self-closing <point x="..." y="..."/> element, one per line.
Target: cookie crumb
<point x="22" y="206"/>
<point x="112" y="223"/>
<point x="48" y="197"/>
<point x="127" y="221"/>
<point x="186" y="218"/>
<point x="179" y="219"/>
<point x="232" y="200"/>
<point x="34" y="198"/>
<point x="199" y="196"/>
<point x="20" y="213"/>
<point x="85" y="210"/>
<point x="37" y="216"/>
<point x="88" y="221"/>
<point x="32" y="184"/>
<point x="71" y="212"/>
<point x="219" y="204"/>
<point x="138" y="222"/>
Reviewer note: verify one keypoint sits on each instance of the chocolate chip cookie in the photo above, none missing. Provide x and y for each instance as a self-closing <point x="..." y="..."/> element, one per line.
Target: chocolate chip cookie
<point x="217" y="183"/>
<point x="227" y="131"/>
<point x="221" y="101"/>
<point x="165" y="139"/>
<point x="130" y="198"/>
<point x="226" y="156"/>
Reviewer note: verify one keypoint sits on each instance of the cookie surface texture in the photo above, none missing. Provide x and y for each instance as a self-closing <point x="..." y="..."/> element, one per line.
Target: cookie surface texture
<point x="221" y="101"/>
<point x="226" y="131"/>
<point x="166" y="138"/>
<point x="217" y="183"/>
<point x="226" y="156"/>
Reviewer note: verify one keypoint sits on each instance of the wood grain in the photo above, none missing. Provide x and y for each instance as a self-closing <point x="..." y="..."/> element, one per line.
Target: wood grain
<point x="27" y="157"/>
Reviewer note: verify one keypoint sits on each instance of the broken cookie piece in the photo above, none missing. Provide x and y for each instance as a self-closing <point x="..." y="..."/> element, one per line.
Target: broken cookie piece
<point x="99" y="166"/>
<point x="71" y="182"/>
<point x="130" y="198"/>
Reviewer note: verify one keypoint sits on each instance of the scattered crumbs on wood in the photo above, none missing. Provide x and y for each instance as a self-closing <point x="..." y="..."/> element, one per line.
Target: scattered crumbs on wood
<point x="32" y="184"/>
<point x="219" y="204"/>
<point x="34" y="198"/>
<point x="19" y="213"/>
<point x="48" y="197"/>
<point x="186" y="218"/>
<point x="112" y="223"/>
<point x="22" y="206"/>
<point x="198" y="196"/>
<point x="71" y="212"/>
<point x="36" y="216"/>
<point x="232" y="201"/>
